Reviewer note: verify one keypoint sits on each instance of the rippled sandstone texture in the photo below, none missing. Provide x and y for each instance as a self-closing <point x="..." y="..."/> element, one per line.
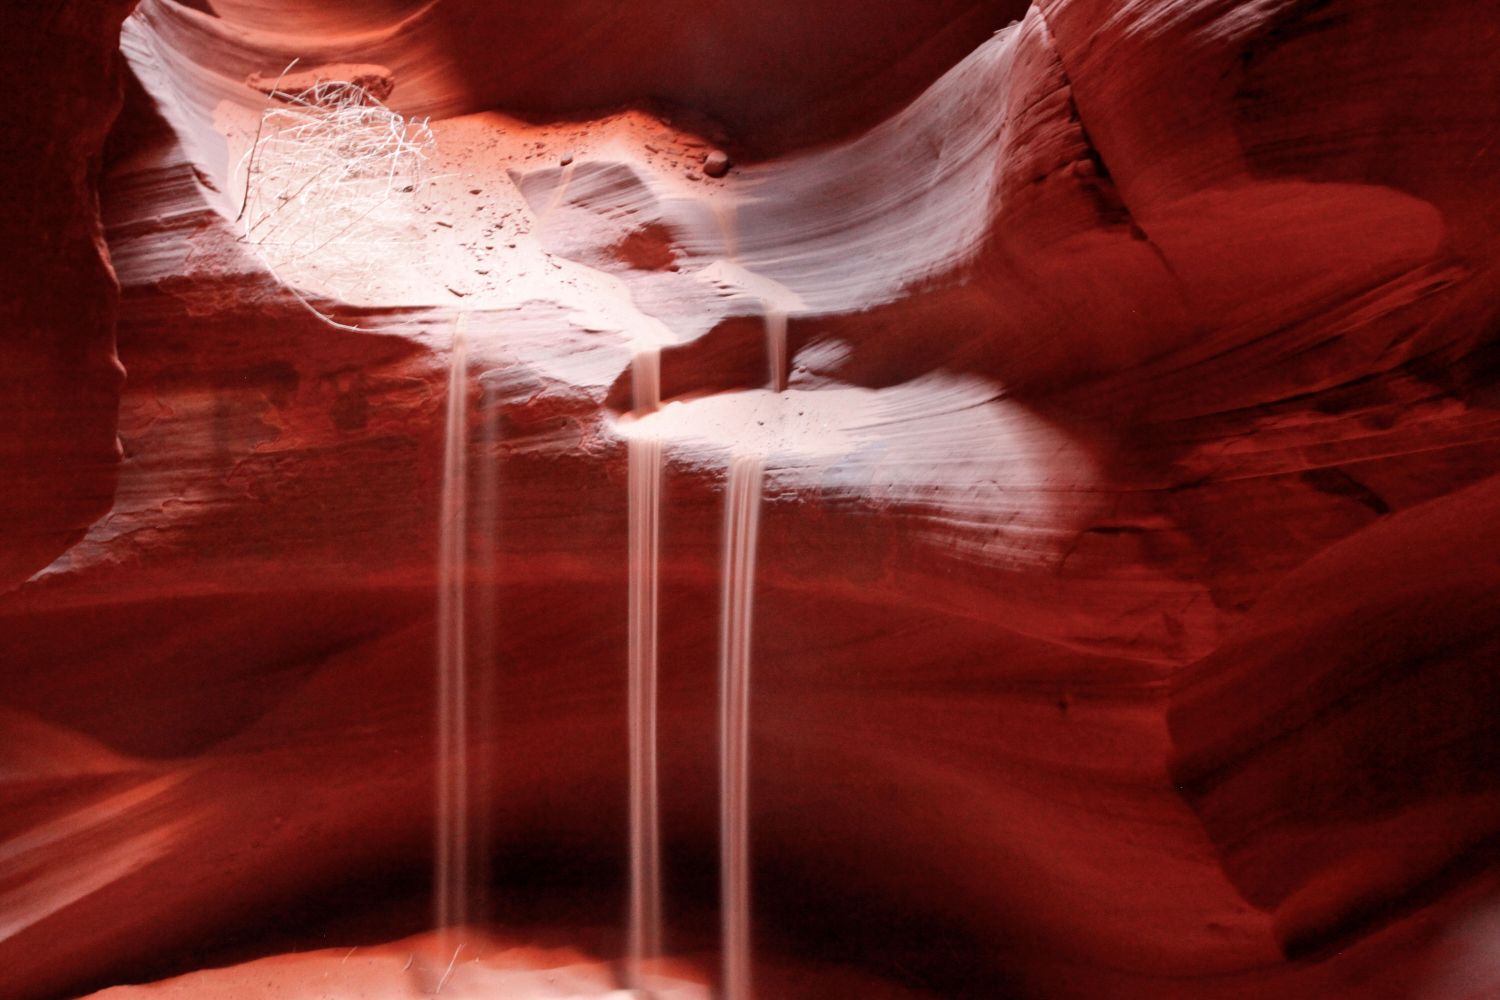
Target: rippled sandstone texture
<point x="1126" y="621"/>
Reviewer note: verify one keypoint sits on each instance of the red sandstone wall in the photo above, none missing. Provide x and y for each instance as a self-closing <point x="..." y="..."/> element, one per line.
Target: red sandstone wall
<point x="1207" y="717"/>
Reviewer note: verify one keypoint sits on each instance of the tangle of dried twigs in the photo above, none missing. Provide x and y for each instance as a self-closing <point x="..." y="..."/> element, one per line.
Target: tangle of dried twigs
<point x="331" y="179"/>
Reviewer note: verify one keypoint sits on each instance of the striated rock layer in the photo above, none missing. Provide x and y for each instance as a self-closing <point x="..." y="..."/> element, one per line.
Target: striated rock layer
<point x="1125" y="610"/>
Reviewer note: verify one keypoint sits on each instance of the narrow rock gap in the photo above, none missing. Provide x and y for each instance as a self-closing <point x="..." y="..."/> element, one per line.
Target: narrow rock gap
<point x="1096" y="156"/>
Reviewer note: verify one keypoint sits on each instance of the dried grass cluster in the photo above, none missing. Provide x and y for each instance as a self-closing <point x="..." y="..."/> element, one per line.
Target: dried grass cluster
<point x="331" y="178"/>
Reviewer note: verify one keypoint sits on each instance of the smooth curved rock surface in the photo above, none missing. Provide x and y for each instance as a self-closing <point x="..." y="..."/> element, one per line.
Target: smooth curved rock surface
<point x="776" y="75"/>
<point x="59" y="378"/>
<point x="1126" y="586"/>
<point x="548" y="964"/>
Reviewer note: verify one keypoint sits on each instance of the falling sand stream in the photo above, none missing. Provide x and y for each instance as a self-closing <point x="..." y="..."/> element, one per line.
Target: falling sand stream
<point x="742" y="505"/>
<point x="455" y="836"/>
<point x="743" y="490"/>
<point x="742" y="501"/>
<point x="644" y="501"/>
<point x="451" y="832"/>
<point x="741" y="526"/>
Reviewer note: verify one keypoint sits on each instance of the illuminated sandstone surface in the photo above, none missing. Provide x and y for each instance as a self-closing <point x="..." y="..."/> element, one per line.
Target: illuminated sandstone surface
<point x="1125" y="616"/>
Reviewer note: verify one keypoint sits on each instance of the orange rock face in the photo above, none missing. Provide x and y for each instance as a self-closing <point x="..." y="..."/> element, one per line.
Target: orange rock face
<point x="1124" y="379"/>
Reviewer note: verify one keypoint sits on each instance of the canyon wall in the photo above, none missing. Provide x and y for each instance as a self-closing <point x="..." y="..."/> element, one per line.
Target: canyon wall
<point x="1125" y="612"/>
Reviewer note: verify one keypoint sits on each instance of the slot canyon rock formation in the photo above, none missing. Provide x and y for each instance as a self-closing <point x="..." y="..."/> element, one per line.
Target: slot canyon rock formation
<point x="1126" y="617"/>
